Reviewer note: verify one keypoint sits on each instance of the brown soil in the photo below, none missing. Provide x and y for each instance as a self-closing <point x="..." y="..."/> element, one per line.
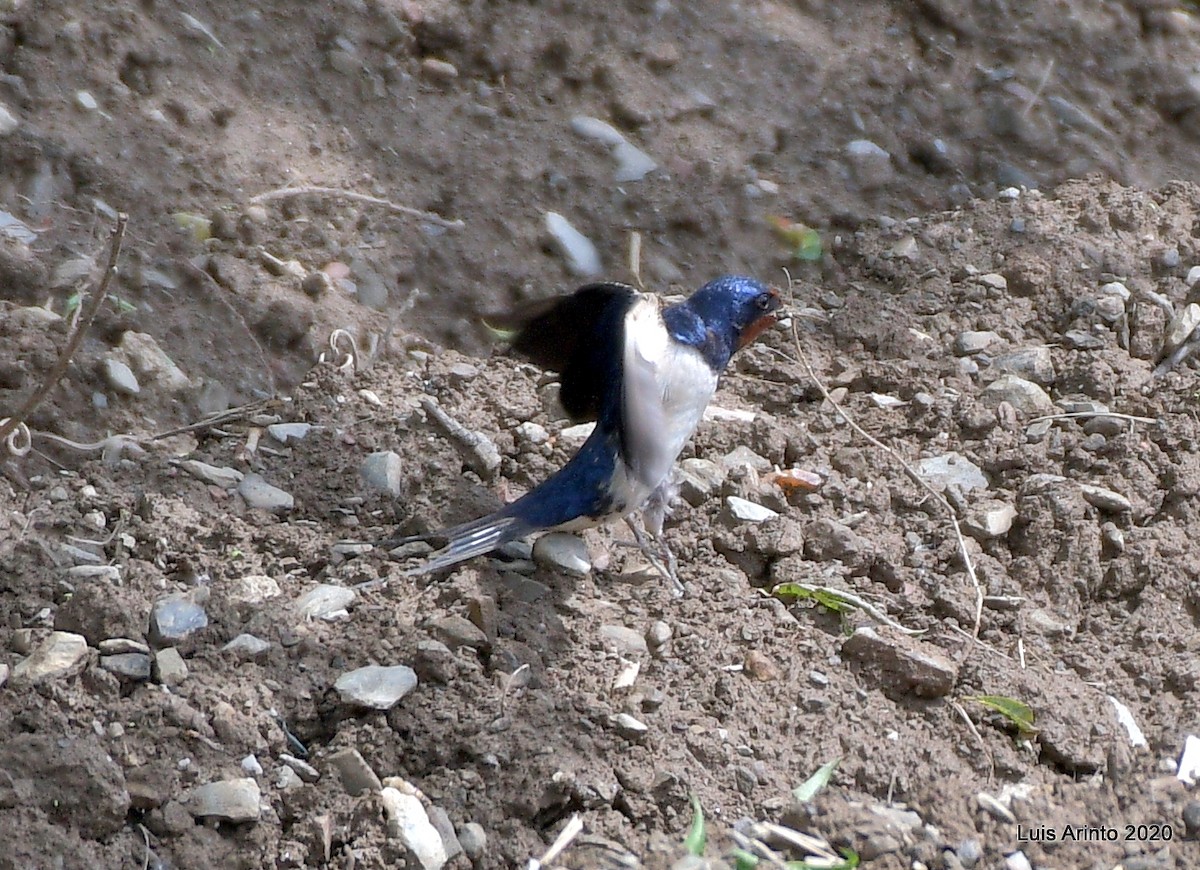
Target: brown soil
<point x="748" y="110"/>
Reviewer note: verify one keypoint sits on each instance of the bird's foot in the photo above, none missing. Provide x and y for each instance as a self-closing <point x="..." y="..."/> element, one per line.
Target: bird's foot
<point x="663" y="560"/>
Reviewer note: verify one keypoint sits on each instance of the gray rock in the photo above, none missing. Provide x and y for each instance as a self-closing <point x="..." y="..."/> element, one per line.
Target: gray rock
<point x="1017" y="861"/>
<point x="969" y="343"/>
<point x="247" y="647"/>
<point x="1105" y="499"/>
<point x="325" y="601"/>
<point x="115" y="646"/>
<point x="152" y="365"/>
<point x="902" y="663"/>
<point x="260" y="495"/>
<point x="408" y="822"/>
<point x="287" y="779"/>
<point x="303" y="769"/>
<point x="458" y="631"/>
<point x="216" y="475"/>
<point x="474" y="840"/>
<point x="120" y="377"/>
<point x="629" y="727"/>
<point x="445" y="828"/>
<point x="250" y="765"/>
<point x="1032" y="363"/>
<point x="170" y="667"/>
<point x="870" y="164"/>
<point x="532" y="433"/>
<point x="1181" y="327"/>
<point x="988" y="523"/>
<point x="826" y="540"/>
<point x="993" y="281"/>
<point x="597" y="130"/>
<point x="657" y="635"/>
<point x="1026" y="396"/>
<point x="376" y="686"/>
<point x="633" y="164"/>
<point x="356" y="775"/>
<point x="229" y="800"/>
<point x="434" y="662"/>
<point x="174" y="619"/>
<point x="8" y="121"/>
<point x="741" y="510"/>
<point x="132" y="666"/>
<point x="384" y="471"/>
<point x="699" y="480"/>
<point x="62" y="654"/>
<point x="4" y="672"/>
<point x="562" y="551"/>
<point x="952" y="469"/>
<point x="583" y="260"/>
<point x="285" y="432"/>
<point x="250" y="591"/>
<point x="744" y="457"/>
<point x="624" y="640"/>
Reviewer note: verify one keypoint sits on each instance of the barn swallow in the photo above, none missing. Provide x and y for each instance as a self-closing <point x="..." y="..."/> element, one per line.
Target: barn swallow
<point x="644" y="373"/>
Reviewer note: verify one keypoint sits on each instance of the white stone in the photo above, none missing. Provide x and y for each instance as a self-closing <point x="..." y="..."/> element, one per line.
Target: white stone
<point x="746" y="511"/>
<point x="324" y="600"/>
<point x="226" y="478"/>
<point x="583" y="260"/>
<point x="409" y="823"/>
<point x="285" y="432"/>
<point x="376" y="686"/>
<point x="952" y="469"/>
<point x="1181" y="327"/>
<point x="230" y="800"/>
<point x="633" y="164"/>
<point x="597" y="130"/>
<point x="59" y="655"/>
<point x="8" y="121"/>
<point x="120" y="377"/>
<point x="564" y="551"/>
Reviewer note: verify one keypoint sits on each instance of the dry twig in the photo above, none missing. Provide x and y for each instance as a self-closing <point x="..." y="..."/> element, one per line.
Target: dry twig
<point x="87" y="315"/>
<point x="958" y="708"/>
<point x="409" y="211"/>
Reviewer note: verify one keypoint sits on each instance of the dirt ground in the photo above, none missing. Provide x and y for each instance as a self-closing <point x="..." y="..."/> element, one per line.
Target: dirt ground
<point x="1007" y="244"/>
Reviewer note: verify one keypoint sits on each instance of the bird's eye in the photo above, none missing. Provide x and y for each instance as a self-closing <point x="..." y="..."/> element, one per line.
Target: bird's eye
<point x="763" y="301"/>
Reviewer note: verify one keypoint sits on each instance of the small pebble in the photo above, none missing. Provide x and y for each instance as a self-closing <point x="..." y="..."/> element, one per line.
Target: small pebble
<point x="251" y="765"/>
<point x="743" y="511"/>
<point x="169" y="667"/>
<point x="375" y="686"/>
<point x="629" y="727"/>
<point x="285" y="432"/>
<point x="303" y="769"/>
<point x="1024" y="395"/>
<point x="1105" y="499"/>
<point x="121" y="378"/>
<point x="408" y="822"/>
<point x="325" y="601"/>
<point x="473" y="839"/>
<point x="384" y="471"/>
<point x="356" y="775"/>
<point x="871" y="165"/>
<point x="247" y="647"/>
<point x="583" y="260"/>
<point x="562" y="551"/>
<point x="132" y="666"/>
<point x="226" y="478"/>
<point x="230" y="800"/>
<point x="62" y="654"/>
<point x="174" y="619"/>
<point x="260" y="495"/>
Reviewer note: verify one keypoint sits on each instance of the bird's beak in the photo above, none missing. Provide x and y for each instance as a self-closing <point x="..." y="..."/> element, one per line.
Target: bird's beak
<point x="762" y="324"/>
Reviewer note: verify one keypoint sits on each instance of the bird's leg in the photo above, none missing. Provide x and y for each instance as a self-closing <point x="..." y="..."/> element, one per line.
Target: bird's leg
<point x="663" y="560"/>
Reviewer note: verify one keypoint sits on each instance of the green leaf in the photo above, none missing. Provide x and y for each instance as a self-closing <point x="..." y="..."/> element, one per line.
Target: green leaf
<point x="198" y="225"/>
<point x="803" y="240"/>
<point x="696" y="838"/>
<point x="829" y="600"/>
<point x="743" y="860"/>
<point x="809" y="789"/>
<point x="1016" y="712"/>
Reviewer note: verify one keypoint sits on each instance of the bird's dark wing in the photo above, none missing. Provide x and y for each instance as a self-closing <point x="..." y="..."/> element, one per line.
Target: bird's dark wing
<point x="581" y="337"/>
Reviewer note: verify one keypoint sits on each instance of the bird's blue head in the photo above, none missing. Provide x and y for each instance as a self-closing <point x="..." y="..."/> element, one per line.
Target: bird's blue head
<point x="723" y="316"/>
